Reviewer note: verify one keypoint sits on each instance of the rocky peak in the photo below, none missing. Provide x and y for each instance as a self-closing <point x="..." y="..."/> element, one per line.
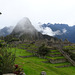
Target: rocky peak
<point x="26" y="29"/>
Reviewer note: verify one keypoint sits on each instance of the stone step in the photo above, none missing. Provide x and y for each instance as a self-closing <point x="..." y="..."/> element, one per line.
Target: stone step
<point x="53" y="61"/>
<point x="45" y="61"/>
<point x="68" y="65"/>
<point x="55" y="55"/>
<point x="54" y="51"/>
<point x="67" y="56"/>
<point x="26" y="56"/>
<point x="72" y="50"/>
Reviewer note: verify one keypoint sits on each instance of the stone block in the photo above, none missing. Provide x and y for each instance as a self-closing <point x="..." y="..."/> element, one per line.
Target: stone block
<point x="9" y="74"/>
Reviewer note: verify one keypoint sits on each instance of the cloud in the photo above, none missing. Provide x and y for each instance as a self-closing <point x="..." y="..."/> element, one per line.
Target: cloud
<point x="48" y="31"/>
<point x="10" y="29"/>
<point x="64" y="30"/>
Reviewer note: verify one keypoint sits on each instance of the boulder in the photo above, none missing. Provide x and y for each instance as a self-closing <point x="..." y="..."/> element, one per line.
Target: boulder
<point x="43" y="73"/>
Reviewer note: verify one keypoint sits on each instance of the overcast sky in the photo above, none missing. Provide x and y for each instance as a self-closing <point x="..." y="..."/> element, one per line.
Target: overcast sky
<point x="44" y="11"/>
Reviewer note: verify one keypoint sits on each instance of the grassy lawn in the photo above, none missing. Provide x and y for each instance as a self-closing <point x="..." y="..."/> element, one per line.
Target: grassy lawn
<point x="34" y="65"/>
<point x="20" y="52"/>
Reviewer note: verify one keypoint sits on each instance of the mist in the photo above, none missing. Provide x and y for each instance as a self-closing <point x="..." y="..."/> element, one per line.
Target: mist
<point x="24" y="26"/>
<point x="49" y="31"/>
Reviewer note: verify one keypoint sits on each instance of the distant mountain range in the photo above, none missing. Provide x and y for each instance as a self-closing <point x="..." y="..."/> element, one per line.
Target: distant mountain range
<point x="6" y="30"/>
<point x="24" y="30"/>
<point x="61" y="31"/>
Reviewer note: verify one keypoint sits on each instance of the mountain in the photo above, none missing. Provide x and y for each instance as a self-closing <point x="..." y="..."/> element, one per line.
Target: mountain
<point x="61" y="31"/>
<point x="6" y="31"/>
<point x="25" y="30"/>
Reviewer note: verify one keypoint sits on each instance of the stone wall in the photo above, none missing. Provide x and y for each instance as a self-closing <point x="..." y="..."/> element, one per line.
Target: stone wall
<point x="53" y="61"/>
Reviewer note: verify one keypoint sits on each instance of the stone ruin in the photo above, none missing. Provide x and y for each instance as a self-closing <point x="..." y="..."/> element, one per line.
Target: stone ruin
<point x="43" y="73"/>
<point x="57" y="43"/>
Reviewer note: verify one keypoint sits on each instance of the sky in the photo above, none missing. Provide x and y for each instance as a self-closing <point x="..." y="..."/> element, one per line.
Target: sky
<point x="38" y="11"/>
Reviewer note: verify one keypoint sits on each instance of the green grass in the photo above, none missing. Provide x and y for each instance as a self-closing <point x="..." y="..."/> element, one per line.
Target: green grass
<point x="60" y="64"/>
<point x="21" y="52"/>
<point x="34" y="65"/>
<point x="61" y="57"/>
<point x="69" y="47"/>
<point x="53" y="50"/>
<point x="56" y="53"/>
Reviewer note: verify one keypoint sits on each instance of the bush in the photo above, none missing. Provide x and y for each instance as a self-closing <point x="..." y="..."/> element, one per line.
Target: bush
<point x="72" y="55"/>
<point x="18" y="70"/>
<point x="6" y="61"/>
<point x="13" y="39"/>
<point x="43" y="50"/>
<point x="2" y="43"/>
<point x="0" y="64"/>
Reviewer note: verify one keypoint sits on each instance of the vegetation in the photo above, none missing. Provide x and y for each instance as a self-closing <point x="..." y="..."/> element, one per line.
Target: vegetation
<point x="72" y="56"/>
<point x="71" y="51"/>
<point x="43" y="50"/>
<point x="32" y="65"/>
<point x="13" y="39"/>
<point x="7" y="60"/>
<point x="2" y="43"/>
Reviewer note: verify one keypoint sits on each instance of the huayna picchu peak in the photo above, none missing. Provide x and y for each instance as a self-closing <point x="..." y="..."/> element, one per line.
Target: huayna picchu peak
<point x="25" y="30"/>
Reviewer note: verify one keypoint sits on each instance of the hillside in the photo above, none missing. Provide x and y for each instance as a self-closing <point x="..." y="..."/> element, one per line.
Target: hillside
<point x="24" y="30"/>
<point x="34" y="65"/>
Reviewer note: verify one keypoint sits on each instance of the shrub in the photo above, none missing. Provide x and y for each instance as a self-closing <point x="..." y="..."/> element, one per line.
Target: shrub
<point x="18" y="70"/>
<point x="43" y="50"/>
<point x="2" y="43"/>
<point x="72" y="55"/>
<point x="13" y="39"/>
<point x="0" y="64"/>
<point x="7" y="61"/>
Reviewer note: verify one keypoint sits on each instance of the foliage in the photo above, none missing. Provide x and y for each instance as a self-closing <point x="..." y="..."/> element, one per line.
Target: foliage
<point x="14" y="39"/>
<point x="10" y="38"/>
<point x="43" y="50"/>
<point x="6" y="61"/>
<point x="2" y="43"/>
<point x="72" y="55"/>
<point x="0" y="64"/>
<point x="17" y="70"/>
<point x="69" y="50"/>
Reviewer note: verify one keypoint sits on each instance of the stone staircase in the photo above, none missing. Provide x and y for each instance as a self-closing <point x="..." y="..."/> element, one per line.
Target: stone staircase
<point x="66" y="56"/>
<point x="56" y="57"/>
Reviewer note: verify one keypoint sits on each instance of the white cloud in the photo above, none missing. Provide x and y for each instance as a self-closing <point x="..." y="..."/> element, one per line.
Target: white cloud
<point x="48" y="31"/>
<point x="64" y="30"/>
<point x="10" y="29"/>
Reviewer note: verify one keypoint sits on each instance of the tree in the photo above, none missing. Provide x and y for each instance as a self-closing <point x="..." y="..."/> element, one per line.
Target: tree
<point x="2" y="43"/>
<point x="43" y="50"/>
